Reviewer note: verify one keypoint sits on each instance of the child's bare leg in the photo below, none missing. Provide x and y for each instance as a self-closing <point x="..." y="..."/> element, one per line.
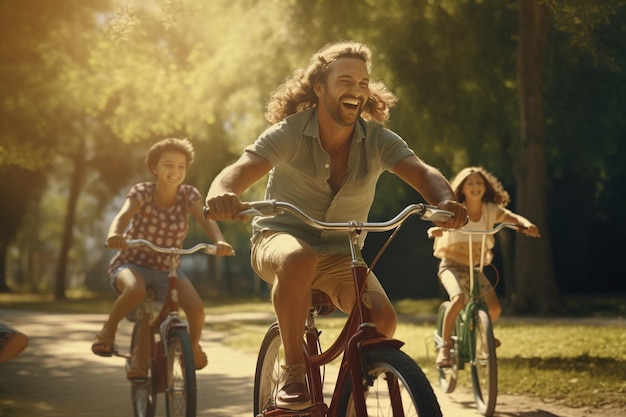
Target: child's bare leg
<point x="192" y="304"/>
<point x="132" y="291"/>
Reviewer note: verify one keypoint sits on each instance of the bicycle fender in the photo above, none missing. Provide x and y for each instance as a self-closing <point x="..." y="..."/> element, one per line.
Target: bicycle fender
<point x="171" y="323"/>
<point x="386" y="341"/>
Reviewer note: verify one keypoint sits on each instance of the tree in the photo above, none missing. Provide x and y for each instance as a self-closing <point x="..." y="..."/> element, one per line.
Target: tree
<point x="534" y="286"/>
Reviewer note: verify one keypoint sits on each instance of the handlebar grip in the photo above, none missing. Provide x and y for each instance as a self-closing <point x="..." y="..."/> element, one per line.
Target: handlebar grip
<point x="130" y="243"/>
<point x="263" y="208"/>
<point x="256" y="208"/>
<point x="434" y="214"/>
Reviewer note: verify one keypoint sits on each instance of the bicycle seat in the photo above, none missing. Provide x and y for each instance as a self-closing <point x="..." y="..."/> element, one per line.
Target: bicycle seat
<point x="321" y="303"/>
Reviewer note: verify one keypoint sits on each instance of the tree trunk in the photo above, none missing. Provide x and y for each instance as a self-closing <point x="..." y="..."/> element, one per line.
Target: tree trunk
<point x="535" y="286"/>
<point x="68" y="228"/>
<point x="3" y="267"/>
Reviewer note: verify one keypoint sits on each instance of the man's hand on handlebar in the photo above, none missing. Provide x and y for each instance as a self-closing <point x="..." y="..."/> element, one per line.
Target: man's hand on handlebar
<point x="224" y="207"/>
<point x="459" y="218"/>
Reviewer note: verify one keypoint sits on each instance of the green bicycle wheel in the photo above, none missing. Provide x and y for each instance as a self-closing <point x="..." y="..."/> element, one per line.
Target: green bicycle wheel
<point x="484" y="365"/>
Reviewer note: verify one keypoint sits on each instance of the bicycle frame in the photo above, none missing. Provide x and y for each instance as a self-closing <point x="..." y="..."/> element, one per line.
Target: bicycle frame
<point x="467" y="334"/>
<point x="359" y="330"/>
<point x="164" y="323"/>
<point x="167" y="317"/>
<point x="473" y="340"/>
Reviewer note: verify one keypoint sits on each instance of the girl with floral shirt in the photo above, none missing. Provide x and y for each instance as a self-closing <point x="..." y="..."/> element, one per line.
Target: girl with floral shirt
<point x="158" y="212"/>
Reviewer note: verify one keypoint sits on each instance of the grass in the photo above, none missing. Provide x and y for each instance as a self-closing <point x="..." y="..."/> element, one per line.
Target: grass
<point x="569" y="362"/>
<point x="577" y="365"/>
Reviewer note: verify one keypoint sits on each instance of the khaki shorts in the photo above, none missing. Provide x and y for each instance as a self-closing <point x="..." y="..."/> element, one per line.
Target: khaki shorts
<point x="334" y="274"/>
<point x="455" y="279"/>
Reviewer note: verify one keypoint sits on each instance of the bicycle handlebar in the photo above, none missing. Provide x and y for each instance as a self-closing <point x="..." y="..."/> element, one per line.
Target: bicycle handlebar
<point x="493" y="231"/>
<point x="270" y="208"/>
<point x="204" y="247"/>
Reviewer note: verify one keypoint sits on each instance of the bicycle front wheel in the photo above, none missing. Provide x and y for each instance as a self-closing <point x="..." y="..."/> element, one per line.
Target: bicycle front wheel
<point x="396" y="386"/>
<point x="267" y="374"/>
<point x="143" y="394"/>
<point x="180" y="391"/>
<point x="484" y="365"/>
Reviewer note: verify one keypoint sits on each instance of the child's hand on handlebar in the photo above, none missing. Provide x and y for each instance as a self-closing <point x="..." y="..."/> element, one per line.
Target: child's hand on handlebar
<point x="224" y="249"/>
<point x="434" y="232"/>
<point x="529" y="230"/>
<point x="223" y="207"/>
<point x="116" y="242"/>
<point x="459" y="217"/>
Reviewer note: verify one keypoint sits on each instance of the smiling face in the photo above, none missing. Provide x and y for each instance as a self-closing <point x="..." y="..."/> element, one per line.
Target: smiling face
<point x="474" y="187"/>
<point x="345" y="91"/>
<point x="171" y="168"/>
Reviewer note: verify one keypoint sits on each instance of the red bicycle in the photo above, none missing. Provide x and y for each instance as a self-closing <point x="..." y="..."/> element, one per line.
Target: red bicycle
<point x="171" y="367"/>
<point x="375" y="377"/>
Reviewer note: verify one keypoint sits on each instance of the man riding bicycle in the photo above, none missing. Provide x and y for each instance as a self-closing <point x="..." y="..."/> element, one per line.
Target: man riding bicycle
<point x="324" y="153"/>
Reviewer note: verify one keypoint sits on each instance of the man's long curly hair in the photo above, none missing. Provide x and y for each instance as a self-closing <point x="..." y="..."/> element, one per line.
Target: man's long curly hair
<point x="297" y="94"/>
<point x="495" y="192"/>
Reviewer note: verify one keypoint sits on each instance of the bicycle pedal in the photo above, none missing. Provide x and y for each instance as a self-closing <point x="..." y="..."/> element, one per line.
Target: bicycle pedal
<point x="138" y="381"/>
<point x="121" y="355"/>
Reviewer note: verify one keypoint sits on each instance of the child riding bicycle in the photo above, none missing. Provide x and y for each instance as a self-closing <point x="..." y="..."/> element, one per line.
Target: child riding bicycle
<point x="156" y="211"/>
<point x="485" y="199"/>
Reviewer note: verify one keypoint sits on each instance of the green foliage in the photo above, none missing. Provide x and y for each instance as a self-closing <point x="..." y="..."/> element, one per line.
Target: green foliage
<point x="590" y="28"/>
<point x="104" y="79"/>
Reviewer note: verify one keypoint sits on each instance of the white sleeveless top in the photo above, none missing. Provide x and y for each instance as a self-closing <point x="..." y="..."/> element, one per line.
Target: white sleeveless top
<point x="454" y="245"/>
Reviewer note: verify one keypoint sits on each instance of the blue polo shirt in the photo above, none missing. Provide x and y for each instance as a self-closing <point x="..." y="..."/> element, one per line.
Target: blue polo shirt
<point x="301" y="169"/>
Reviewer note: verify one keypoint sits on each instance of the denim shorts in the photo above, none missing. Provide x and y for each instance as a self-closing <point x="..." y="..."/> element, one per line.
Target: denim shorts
<point x="151" y="277"/>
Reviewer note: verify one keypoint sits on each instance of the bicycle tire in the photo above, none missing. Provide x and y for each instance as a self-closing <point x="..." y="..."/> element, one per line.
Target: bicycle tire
<point x="385" y="366"/>
<point x="267" y="372"/>
<point x="180" y="390"/>
<point x="484" y="365"/>
<point x="143" y="394"/>
<point x="447" y="376"/>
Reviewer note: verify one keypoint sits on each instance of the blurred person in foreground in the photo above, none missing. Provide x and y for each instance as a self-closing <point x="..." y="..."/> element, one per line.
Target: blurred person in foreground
<point x="12" y="342"/>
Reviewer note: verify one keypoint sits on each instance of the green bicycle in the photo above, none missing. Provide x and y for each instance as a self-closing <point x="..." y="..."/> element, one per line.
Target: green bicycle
<point x="473" y="342"/>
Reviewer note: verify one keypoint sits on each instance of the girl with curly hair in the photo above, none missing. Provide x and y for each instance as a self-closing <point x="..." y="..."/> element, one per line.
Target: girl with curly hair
<point x="485" y="199"/>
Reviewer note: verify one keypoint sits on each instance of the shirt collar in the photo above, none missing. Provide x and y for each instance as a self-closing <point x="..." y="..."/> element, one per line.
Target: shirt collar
<point x="312" y="128"/>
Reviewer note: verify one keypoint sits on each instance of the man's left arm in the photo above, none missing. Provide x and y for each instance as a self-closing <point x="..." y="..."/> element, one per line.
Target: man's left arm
<point x="433" y="186"/>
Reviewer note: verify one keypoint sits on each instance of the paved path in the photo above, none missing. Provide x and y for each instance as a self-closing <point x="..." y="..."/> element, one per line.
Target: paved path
<point x="58" y="376"/>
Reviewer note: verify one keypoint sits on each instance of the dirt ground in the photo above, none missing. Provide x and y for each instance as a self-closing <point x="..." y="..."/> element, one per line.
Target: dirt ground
<point x="58" y="376"/>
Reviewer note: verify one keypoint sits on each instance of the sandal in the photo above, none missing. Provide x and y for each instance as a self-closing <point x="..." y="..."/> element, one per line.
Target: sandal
<point x="443" y="356"/>
<point x="199" y="357"/>
<point x="103" y="347"/>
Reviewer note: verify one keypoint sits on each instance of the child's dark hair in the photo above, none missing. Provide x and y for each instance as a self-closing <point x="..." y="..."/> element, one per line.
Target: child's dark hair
<point x="494" y="193"/>
<point x="183" y="146"/>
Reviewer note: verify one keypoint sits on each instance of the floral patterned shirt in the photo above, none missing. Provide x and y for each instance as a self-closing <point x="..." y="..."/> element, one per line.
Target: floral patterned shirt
<point x="162" y="226"/>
